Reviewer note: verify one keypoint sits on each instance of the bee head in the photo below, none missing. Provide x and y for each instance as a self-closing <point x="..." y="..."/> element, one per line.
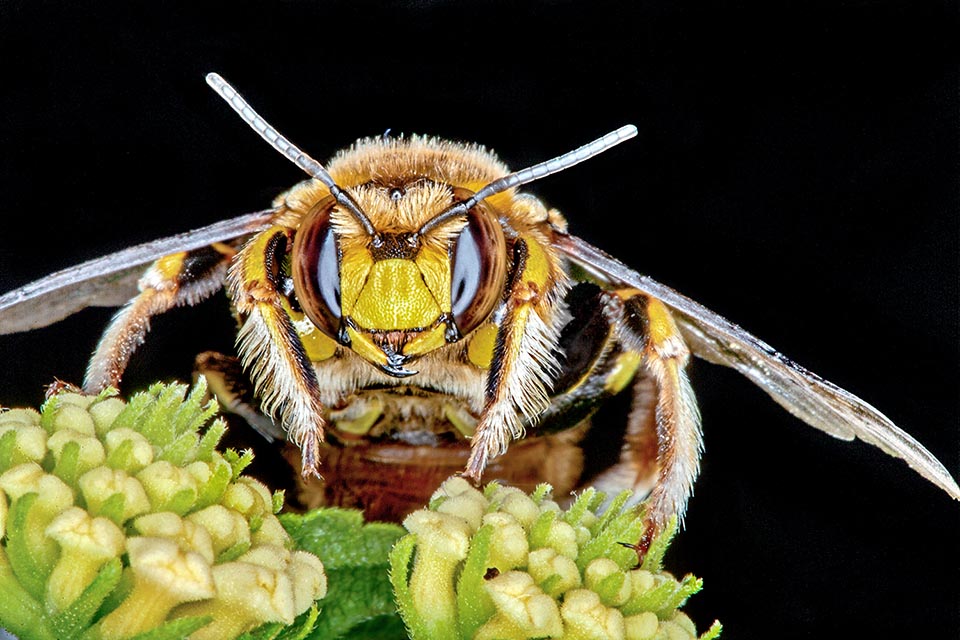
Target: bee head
<point x="409" y="287"/>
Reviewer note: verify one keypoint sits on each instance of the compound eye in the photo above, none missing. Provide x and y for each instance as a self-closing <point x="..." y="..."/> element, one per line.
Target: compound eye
<point x="479" y="269"/>
<point x="316" y="269"/>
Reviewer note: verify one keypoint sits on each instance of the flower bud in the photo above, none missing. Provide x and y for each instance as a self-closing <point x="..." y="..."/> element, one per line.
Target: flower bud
<point x="169" y="488"/>
<point x="164" y="575"/>
<point x="584" y="616"/>
<point x="127" y="450"/>
<point x="86" y="543"/>
<point x="522" y="602"/>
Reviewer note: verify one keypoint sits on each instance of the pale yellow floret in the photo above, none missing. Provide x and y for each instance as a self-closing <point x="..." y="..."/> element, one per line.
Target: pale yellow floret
<point x="163" y="481"/>
<point x="546" y="563"/>
<point x="519" y="505"/>
<point x="271" y="532"/>
<point x="30" y="443"/>
<point x="521" y="601"/>
<point x="73" y="416"/>
<point x="164" y="576"/>
<point x="100" y="484"/>
<point x="643" y="626"/>
<point x="597" y="571"/>
<point x="91" y="452"/>
<point x="227" y="528"/>
<point x="586" y="618"/>
<point x="443" y="542"/>
<point x="508" y="545"/>
<point x="105" y="412"/>
<point x="141" y="451"/>
<point x="563" y="538"/>
<point x="248" y="596"/>
<point x="187" y="534"/>
<point x="86" y="543"/>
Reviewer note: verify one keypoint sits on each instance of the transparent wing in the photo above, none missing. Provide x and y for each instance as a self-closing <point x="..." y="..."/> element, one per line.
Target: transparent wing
<point x="806" y="395"/>
<point x="109" y="281"/>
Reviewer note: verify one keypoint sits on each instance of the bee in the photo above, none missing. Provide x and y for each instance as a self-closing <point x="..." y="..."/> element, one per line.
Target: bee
<point x="408" y="312"/>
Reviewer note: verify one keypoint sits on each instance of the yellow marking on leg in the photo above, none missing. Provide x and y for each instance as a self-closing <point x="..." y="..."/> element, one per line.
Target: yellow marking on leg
<point x="662" y="328"/>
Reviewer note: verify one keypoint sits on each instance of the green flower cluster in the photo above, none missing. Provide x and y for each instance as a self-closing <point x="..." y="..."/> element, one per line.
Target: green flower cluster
<point x="507" y="565"/>
<point x="121" y="520"/>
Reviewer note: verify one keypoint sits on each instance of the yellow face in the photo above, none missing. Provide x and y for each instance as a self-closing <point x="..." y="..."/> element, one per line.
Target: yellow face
<point x="405" y="289"/>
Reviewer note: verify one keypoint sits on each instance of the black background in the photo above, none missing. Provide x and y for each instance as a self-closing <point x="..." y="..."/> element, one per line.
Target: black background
<point x="795" y="170"/>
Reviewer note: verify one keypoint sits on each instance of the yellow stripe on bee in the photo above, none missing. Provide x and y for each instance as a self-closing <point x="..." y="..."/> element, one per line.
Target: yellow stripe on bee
<point x="223" y="248"/>
<point x="253" y="263"/>
<point x="537" y="267"/>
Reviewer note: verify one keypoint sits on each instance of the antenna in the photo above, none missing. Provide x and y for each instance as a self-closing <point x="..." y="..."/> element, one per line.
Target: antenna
<point x="287" y="148"/>
<point x="535" y="172"/>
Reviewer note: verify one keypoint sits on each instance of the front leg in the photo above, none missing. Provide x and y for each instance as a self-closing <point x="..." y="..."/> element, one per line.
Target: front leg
<point x="524" y="358"/>
<point x="270" y="349"/>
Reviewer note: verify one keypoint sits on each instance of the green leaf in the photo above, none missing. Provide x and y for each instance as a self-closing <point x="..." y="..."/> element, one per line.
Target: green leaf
<point x="213" y="489"/>
<point x="653" y="600"/>
<point x="68" y="463"/>
<point x="540" y="529"/>
<point x="180" y="451"/>
<point x="113" y="508"/>
<point x="356" y="558"/>
<point x="302" y="626"/>
<point x="238" y="462"/>
<point x="340" y="538"/>
<point x="580" y="507"/>
<point x="615" y="528"/>
<point x="131" y="415"/>
<point x="7" y="448"/>
<point x="122" y="457"/>
<point x="354" y="597"/>
<point x="688" y="586"/>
